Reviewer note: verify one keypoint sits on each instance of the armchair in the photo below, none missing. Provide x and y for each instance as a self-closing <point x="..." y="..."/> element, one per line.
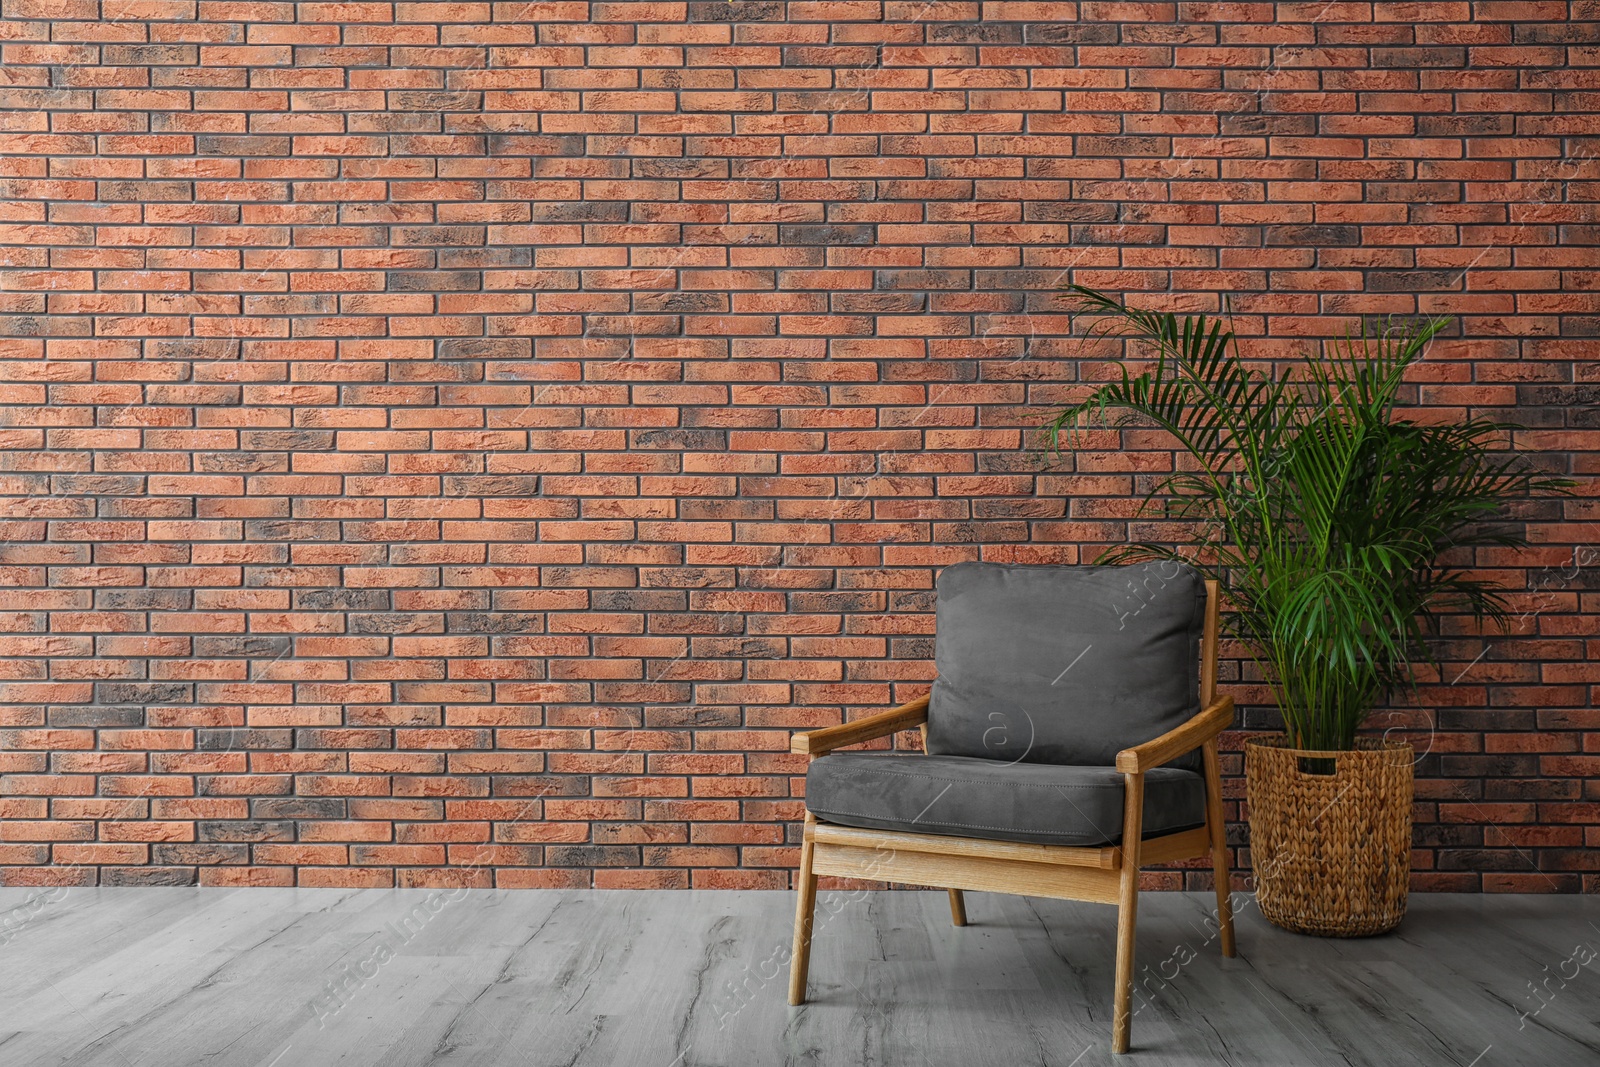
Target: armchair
<point x="1068" y="740"/>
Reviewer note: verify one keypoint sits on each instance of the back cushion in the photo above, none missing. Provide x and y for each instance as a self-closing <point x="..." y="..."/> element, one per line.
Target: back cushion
<point x="1064" y="664"/>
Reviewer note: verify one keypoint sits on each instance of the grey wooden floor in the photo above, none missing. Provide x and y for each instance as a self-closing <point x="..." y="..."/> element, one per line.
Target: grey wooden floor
<point x="281" y="977"/>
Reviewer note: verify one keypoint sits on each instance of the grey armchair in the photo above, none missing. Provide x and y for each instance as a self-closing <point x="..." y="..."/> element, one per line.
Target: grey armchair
<point x="1071" y="736"/>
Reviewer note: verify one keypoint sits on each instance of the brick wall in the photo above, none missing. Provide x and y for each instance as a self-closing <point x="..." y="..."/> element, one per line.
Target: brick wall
<point x="459" y="441"/>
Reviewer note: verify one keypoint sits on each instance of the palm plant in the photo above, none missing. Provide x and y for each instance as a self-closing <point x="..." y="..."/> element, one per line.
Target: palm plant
<point x="1325" y="515"/>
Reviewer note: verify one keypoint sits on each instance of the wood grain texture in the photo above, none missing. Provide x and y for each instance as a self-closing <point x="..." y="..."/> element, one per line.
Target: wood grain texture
<point x="1216" y="718"/>
<point x="962" y="871"/>
<point x="821" y="742"/>
<point x="159" y="977"/>
<point x="1127" y="910"/>
<point x="805" y="911"/>
<point x="1180" y="846"/>
<point x="1216" y="831"/>
<point x="1104" y="858"/>
<point x="958" y="907"/>
<point x="1208" y="643"/>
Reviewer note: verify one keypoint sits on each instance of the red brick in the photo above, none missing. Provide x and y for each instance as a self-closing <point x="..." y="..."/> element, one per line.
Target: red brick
<point x="494" y="502"/>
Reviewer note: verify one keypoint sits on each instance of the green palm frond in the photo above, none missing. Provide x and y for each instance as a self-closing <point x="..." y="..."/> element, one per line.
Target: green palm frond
<point x="1323" y="513"/>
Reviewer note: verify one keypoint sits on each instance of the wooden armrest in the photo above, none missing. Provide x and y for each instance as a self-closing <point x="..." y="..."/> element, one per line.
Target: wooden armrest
<point x="1175" y="742"/>
<point x="818" y="742"/>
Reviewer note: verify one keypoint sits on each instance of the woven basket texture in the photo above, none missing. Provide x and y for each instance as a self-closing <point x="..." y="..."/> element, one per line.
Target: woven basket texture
<point x="1331" y="852"/>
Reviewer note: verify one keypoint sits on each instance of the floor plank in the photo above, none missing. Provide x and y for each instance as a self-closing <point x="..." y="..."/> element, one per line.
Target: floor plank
<point x="280" y="977"/>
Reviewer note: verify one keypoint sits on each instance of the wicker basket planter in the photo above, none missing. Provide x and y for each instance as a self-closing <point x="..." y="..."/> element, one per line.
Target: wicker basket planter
<point x="1331" y="851"/>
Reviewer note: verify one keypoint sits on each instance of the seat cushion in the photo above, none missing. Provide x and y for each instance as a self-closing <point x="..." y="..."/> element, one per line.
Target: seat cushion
<point x="1067" y="665"/>
<point x="1038" y="803"/>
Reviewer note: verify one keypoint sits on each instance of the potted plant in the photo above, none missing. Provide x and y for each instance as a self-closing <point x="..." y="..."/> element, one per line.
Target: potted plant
<point x="1340" y="531"/>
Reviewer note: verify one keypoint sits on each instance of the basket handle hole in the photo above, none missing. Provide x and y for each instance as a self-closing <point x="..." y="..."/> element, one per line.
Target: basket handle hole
<point x="1318" y="765"/>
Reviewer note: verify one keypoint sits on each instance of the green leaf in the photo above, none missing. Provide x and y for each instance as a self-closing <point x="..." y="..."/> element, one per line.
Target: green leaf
<point x="1325" y="515"/>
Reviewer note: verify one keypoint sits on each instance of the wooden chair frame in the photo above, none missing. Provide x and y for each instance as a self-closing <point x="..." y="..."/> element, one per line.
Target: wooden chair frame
<point x="1108" y="874"/>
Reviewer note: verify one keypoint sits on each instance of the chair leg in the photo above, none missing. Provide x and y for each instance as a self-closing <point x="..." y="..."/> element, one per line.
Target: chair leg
<point x="805" y="911"/>
<point x="1127" y="919"/>
<point x="1219" y="867"/>
<point x="1219" y="848"/>
<point x="958" y="908"/>
<point x="1127" y="913"/>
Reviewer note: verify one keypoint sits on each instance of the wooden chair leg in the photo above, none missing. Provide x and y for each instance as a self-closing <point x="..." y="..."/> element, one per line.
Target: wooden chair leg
<point x="1219" y="847"/>
<point x="1127" y="912"/>
<point x="805" y="911"/>
<point x="958" y="908"/>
